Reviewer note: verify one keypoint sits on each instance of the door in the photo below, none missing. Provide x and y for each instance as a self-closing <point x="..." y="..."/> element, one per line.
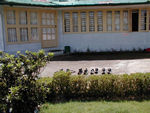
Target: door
<point x="135" y="20"/>
<point x="49" y="29"/>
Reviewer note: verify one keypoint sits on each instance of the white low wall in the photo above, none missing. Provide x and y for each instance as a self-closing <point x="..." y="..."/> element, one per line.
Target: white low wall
<point x="13" y="48"/>
<point x="107" y="41"/>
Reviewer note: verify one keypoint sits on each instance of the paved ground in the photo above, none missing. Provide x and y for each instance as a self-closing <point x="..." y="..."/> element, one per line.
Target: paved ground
<point x="117" y="66"/>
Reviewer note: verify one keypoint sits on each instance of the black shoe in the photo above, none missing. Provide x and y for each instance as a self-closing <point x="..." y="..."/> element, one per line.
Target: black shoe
<point x="103" y="71"/>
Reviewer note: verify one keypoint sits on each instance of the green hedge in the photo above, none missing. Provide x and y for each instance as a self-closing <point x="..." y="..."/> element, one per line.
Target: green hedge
<point x="64" y="86"/>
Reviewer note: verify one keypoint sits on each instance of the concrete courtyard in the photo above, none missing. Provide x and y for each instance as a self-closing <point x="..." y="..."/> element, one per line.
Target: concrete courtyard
<point x="117" y="66"/>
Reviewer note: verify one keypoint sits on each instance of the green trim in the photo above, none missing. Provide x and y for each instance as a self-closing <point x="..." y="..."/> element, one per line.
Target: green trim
<point x="73" y="4"/>
<point x="56" y="6"/>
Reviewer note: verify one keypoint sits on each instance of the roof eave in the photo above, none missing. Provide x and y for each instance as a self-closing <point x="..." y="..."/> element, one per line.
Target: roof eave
<point x="72" y="5"/>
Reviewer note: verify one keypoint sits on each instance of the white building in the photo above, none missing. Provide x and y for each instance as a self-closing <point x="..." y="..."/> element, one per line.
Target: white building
<point x="97" y="25"/>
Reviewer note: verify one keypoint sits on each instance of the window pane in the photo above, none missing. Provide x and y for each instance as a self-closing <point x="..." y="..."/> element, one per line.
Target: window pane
<point x="49" y="30"/>
<point x="52" y="15"/>
<point x="23" y="34"/>
<point x="44" y="33"/>
<point x="83" y="21"/>
<point x="49" y="37"/>
<point x="143" y="19"/>
<point x="52" y="19"/>
<point x="34" y="34"/>
<point x="125" y="20"/>
<point x="67" y="22"/>
<point x="53" y="34"/>
<point x="91" y="21"/>
<point x="53" y="30"/>
<point x="23" y="17"/>
<point x="44" y="19"/>
<point x="99" y="21"/>
<point x="12" y="35"/>
<point x="109" y="21"/>
<point x="11" y="17"/>
<point x="117" y="20"/>
<point x="75" y="21"/>
<point x="48" y="17"/>
<point x="48" y="33"/>
<point x="33" y="18"/>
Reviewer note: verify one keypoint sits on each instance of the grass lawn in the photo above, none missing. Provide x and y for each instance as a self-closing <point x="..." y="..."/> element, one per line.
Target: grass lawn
<point x="98" y="107"/>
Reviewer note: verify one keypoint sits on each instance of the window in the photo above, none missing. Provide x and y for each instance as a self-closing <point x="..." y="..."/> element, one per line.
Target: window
<point x="67" y="22"/>
<point x="91" y="21"/>
<point x="23" y="17"/>
<point x="143" y="19"/>
<point x="34" y="34"/>
<point x="109" y="21"/>
<point x="53" y="33"/>
<point x="117" y="20"/>
<point x="19" y="29"/>
<point x="75" y="21"/>
<point x="83" y="21"/>
<point x="23" y="34"/>
<point x="46" y="19"/>
<point x="48" y="33"/>
<point x="23" y="25"/>
<point x="125" y="20"/>
<point x="33" y="18"/>
<point x="12" y="35"/>
<point x="99" y="21"/>
<point x="48" y="30"/>
<point x="11" y="17"/>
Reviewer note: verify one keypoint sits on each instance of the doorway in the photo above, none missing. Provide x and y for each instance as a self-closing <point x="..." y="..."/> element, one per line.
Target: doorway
<point x="135" y="20"/>
<point x="49" y="29"/>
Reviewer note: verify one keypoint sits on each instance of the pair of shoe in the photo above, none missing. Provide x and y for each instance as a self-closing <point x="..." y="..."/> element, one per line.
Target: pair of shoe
<point x="108" y="71"/>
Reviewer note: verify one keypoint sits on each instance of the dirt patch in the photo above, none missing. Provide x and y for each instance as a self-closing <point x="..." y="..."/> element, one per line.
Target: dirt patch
<point x="103" y="56"/>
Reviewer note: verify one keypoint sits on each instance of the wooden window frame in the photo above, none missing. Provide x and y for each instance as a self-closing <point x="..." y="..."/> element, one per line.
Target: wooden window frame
<point x="48" y="26"/>
<point x="77" y="22"/>
<point x="140" y="14"/>
<point x="112" y="21"/>
<point x="96" y="20"/>
<point x="104" y="12"/>
<point x="104" y="16"/>
<point x="18" y="25"/>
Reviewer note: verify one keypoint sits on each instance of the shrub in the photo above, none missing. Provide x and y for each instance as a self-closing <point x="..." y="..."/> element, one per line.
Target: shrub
<point x="66" y="86"/>
<point x="93" y="86"/>
<point x="60" y="85"/>
<point x="18" y="78"/>
<point x="78" y="87"/>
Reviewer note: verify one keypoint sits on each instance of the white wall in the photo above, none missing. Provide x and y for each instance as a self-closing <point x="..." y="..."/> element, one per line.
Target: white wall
<point x="103" y="41"/>
<point x="22" y="47"/>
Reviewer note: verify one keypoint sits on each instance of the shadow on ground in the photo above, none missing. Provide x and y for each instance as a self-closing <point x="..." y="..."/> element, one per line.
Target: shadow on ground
<point x="103" y="56"/>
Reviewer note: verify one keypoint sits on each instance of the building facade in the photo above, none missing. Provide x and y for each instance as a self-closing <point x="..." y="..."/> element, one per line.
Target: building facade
<point x="101" y="25"/>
